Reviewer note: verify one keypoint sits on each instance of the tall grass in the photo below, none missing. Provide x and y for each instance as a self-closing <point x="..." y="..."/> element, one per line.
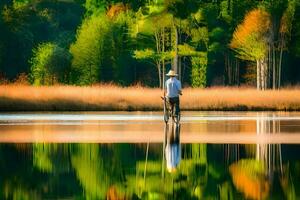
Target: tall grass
<point x="111" y="98"/>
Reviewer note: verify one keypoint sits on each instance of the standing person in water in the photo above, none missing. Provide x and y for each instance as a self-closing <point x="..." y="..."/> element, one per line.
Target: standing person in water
<point x="173" y="87"/>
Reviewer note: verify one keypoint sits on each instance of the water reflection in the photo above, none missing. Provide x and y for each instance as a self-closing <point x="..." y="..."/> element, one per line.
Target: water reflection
<point x="261" y="170"/>
<point x="196" y="128"/>
<point x="137" y="171"/>
<point x="134" y="171"/>
<point x="173" y="147"/>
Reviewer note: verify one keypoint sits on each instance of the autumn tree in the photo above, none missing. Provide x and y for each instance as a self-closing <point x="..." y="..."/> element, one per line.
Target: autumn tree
<point x="250" y="42"/>
<point x="231" y="14"/>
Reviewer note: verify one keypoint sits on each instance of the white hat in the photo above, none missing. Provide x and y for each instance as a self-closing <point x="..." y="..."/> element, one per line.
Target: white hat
<point x="171" y="73"/>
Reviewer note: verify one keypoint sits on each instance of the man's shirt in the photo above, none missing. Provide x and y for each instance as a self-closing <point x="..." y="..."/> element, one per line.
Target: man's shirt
<point x="173" y="155"/>
<point x="173" y="87"/>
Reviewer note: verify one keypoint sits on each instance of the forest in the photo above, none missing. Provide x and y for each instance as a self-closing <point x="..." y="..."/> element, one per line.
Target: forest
<point x="135" y="42"/>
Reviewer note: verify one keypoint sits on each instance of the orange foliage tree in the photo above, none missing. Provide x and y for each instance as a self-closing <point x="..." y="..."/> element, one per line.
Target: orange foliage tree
<point x="250" y="41"/>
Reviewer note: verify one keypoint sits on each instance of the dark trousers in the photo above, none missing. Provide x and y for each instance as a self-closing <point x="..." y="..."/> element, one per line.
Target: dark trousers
<point x="174" y="101"/>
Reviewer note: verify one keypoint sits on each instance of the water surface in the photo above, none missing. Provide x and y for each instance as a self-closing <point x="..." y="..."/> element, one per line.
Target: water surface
<point x="210" y="155"/>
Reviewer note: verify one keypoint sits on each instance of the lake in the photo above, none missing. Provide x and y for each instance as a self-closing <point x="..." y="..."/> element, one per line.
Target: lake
<point x="134" y="155"/>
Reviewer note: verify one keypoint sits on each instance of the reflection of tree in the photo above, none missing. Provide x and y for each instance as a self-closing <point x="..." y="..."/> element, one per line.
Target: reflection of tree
<point x="50" y="164"/>
<point x="18" y="180"/>
<point x="287" y="183"/>
<point x="20" y="192"/>
<point x="100" y="169"/>
<point x="89" y="167"/>
<point x="198" y="169"/>
<point x="116" y="171"/>
<point x="204" y="178"/>
<point x="257" y="176"/>
<point x="50" y="157"/>
<point x="226" y="191"/>
<point x="269" y="154"/>
<point x="249" y="177"/>
<point x="148" y="182"/>
<point x="151" y="181"/>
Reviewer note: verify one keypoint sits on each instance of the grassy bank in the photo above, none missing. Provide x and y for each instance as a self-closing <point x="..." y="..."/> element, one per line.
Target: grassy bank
<point x="112" y="98"/>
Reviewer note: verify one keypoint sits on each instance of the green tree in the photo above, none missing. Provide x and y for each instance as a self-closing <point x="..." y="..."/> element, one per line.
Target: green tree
<point x="200" y="39"/>
<point x="49" y="64"/>
<point x="95" y="6"/>
<point x="154" y="32"/>
<point x="101" y="52"/>
<point x="285" y="31"/>
<point x="90" y="50"/>
<point x="121" y="60"/>
<point x="295" y="35"/>
<point x="19" y="3"/>
<point x="36" y="22"/>
<point x="157" y="24"/>
<point x="20" y="38"/>
<point x="199" y="70"/>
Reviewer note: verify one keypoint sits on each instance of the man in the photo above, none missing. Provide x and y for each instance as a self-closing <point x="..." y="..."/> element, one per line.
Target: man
<point x="173" y="87"/>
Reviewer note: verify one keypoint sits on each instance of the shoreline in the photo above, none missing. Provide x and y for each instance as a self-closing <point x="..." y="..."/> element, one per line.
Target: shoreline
<point x="15" y="98"/>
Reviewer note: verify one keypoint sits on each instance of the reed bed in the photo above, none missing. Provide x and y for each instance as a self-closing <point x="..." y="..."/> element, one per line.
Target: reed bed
<point x="113" y="98"/>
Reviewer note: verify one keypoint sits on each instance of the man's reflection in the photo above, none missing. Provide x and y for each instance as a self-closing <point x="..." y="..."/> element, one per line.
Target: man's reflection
<point x="173" y="147"/>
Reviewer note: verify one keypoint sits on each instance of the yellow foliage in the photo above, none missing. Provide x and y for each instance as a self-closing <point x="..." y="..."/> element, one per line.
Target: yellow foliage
<point x="251" y="35"/>
<point x="256" y="21"/>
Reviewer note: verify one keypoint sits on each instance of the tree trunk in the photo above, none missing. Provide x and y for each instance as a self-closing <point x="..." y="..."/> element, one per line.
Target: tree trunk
<point x="158" y="50"/>
<point x="263" y="74"/>
<point x="175" y="61"/>
<point x="264" y="67"/>
<point x="178" y="57"/>
<point x="90" y="75"/>
<point x="237" y="71"/>
<point x="159" y="73"/>
<point x="269" y="65"/>
<point x="229" y="69"/>
<point x="262" y="77"/>
<point x="226" y="68"/>
<point x="163" y="61"/>
<point x="43" y="78"/>
<point x="179" y="68"/>
<point x="280" y="66"/>
<point x="274" y="66"/>
<point x="258" y="74"/>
